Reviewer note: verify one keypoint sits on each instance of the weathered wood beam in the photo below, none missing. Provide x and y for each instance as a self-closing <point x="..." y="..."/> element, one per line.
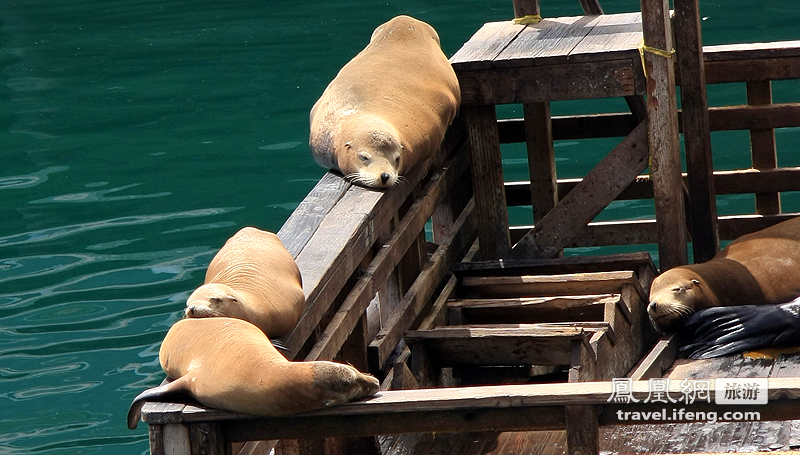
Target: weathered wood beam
<point x="662" y="130"/>
<point x="697" y="131"/>
<point x="599" y="188"/>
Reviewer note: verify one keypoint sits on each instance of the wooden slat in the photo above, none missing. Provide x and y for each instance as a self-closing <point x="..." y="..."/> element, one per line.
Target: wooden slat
<point x="306" y="218"/>
<point x="548" y="42"/>
<point x="422" y="289"/>
<point x="574" y="264"/>
<point x="610" y="33"/>
<point x="533" y="344"/>
<point x="532" y="310"/>
<point x="397" y="402"/>
<point x="750" y="51"/>
<point x="486" y="44"/>
<point x="658" y="360"/>
<point x="549" y="285"/>
<point x="754" y="117"/>
<point x="601" y="186"/>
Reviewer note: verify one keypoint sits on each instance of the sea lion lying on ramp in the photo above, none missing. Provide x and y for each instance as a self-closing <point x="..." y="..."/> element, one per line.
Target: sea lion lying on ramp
<point x="229" y="364"/>
<point x="252" y="277"/>
<point x="760" y="268"/>
<point x="388" y="108"/>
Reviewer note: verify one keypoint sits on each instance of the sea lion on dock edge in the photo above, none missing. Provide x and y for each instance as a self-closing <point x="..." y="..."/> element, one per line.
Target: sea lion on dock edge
<point x="252" y="277"/>
<point x="388" y="108"/>
<point x="760" y="268"/>
<point x="229" y="364"/>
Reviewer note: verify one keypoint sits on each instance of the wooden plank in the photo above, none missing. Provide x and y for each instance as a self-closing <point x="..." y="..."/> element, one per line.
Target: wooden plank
<point x="662" y="131"/>
<point x="541" y="158"/>
<point x="582" y="430"/>
<point x="510" y="344"/>
<point x="697" y="132"/>
<point x="390" y="255"/>
<point x="658" y="360"/>
<point x="206" y="438"/>
<point x="572" y="127"/>
<point x="754" y="117"/>
<point x="762" y="144"/>
<point x="549" y="285"/>
<point x="423" y="288"/>
<point x="782" y="392"/>
<point x="486" y="44"/>
<point x="546" y="43"/>
<point x="601" y="186"/>
<point x="487" y="181"/>
<point x="585" y="80"/>
<point x="574" y="264"/>
<point x="532" y="310"/>
<point x="305" y="219"/>
<point x="751" y="51"/>
<point x="618" y="33"/>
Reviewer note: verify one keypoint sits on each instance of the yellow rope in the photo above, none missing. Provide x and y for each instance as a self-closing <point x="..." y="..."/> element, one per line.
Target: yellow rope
<point x="653" y="50"/>
<point x="529" y="19"/>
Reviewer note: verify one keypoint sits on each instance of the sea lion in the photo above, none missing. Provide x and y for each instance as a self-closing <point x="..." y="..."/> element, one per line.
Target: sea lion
<point x="252" y="277"/>
<point x="388" y="108"/>
<point x="229" y="364"/>
<point x="760" y="268"/>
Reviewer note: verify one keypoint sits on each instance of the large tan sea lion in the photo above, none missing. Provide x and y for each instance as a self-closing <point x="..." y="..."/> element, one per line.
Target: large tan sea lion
<point x="760" y="268"/>
<point x="229" y="364"/>
<point x="252" y="277"/>
<point x="388" y="108"/>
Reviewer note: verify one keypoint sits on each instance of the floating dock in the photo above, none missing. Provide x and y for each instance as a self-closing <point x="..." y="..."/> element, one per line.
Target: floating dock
<point x="488" y="340"/>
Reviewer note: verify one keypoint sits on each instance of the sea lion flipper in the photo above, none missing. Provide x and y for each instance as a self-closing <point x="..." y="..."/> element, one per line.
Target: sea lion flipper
<point x="745" y="328"/>
<point x="165" y="392"/>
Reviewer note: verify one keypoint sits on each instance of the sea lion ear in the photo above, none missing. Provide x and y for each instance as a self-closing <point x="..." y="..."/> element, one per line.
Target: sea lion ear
<point x="348" y="144"/>
<point x="695" y="282"/>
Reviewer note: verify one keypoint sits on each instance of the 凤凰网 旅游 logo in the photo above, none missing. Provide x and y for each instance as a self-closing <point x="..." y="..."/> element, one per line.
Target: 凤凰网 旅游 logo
<point x="740" y="391"/>
<point x="736" y="391"/>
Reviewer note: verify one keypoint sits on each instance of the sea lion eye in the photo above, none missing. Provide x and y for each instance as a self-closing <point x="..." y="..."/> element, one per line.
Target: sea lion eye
<point x="364" y="157"/>
<point x="695" y="282"/>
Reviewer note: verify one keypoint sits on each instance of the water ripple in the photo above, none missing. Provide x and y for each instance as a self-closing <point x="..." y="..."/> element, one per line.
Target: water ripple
<point x="26" y="181"/>
<point x="98" y="196"/>
<point x="42" y="235"/>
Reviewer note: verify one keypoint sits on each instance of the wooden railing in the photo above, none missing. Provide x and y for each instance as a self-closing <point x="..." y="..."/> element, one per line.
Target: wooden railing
<point x="753" y="64"/>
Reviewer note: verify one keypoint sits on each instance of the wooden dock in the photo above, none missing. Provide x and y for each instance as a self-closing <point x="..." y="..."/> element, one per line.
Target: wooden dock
<point x="486" y="338"/>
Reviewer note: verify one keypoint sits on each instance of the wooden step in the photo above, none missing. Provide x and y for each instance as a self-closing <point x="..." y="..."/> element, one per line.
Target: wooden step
<point x="510" y="344"/>
<point x="530" y="310"/>
<point x="550" y="285"/>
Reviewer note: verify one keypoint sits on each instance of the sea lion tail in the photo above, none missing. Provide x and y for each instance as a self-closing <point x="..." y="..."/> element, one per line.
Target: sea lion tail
<point x="165" y="392"/>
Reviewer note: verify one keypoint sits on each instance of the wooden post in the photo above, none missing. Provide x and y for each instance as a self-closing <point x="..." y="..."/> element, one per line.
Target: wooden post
<point x="541" y="158"/>
<point x="524" y="8"/>
<point x="662" y="125"/>
<point x="487" y="181"/>
<point x="582" y="430"/>
<point x="591" y="7"/>
<point x="696" y="131"/>
<point x="762" y="144"/>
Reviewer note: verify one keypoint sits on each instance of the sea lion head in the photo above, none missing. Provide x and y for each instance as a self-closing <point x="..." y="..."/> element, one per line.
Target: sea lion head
<point x="214" y="300"/>
<point x="342" y="383"/>
<point x="674" y="296"/>
<point x="369" y="152"/>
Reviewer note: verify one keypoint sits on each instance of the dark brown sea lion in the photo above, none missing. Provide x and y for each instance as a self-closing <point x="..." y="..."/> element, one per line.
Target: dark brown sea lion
<point x="760" y="268"/>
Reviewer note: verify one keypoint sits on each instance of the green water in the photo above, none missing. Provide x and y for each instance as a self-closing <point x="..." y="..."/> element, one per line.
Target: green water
<point x="138" y="135"/>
